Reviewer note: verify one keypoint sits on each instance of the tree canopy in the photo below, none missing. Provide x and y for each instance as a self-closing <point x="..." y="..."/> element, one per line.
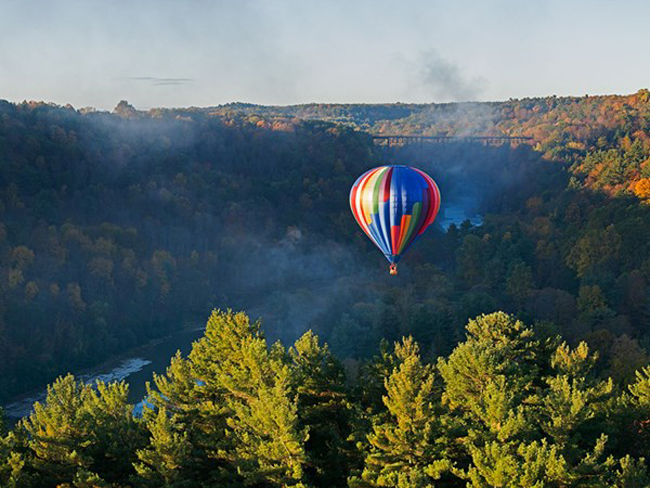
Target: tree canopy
<point x="505" y="408"/>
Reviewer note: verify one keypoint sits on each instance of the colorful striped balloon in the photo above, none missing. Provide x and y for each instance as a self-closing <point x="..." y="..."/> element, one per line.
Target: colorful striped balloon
<point x="394" y="205"/>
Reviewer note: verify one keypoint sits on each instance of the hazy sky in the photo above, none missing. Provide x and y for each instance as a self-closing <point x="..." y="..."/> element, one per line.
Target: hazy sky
<point x="207" y="52"/>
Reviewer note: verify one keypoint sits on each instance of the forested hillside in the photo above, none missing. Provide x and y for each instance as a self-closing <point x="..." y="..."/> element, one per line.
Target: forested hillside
<point x="565" y="238"/>
<point x="121" y="227"/>
<point x="116" y="230"/>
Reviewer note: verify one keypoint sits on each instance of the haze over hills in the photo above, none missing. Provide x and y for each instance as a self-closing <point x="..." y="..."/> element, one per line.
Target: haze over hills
<point x="118" y="228"/>
<point x="99" y="207"/>
<point x="527" y="116"/>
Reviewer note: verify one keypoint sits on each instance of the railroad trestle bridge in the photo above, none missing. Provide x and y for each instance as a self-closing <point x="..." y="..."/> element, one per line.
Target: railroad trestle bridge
<point x="401" y="140"/>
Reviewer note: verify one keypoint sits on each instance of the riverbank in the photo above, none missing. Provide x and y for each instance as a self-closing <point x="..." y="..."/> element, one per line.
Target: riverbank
<point x="136" y="366"/>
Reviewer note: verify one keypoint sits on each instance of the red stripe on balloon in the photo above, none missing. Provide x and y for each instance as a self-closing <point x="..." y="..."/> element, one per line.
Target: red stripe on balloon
<point x="353" y="204"/>
<point x="434" y="200"/>
<point x="394" y="235"/>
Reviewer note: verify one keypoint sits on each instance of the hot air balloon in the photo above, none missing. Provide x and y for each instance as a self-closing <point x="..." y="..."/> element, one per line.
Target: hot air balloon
<point x="394" y="205"/>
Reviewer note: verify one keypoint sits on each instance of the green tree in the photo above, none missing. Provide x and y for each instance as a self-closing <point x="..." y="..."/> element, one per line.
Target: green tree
<point x="408" y="448"/>
<point x="83" y="431"/>
<point x="513" y="464"/>
<point x="235" y="397"/>
<point x="164" y="461"/>
<point x="534" y="414"/>
<point x="197" y="411"/>
<point x="12" y="462"/>
<point x="325" y="411"/>
<point x="640" y="419"/>
<point x="594" y="248"/>
<point x="641" y="388"/>
<point x="574" y="399"/>
<point x="626" y="357"/>
<point x="489" y="375"/>
<point x="519" y="282"/>
<point x="470" y="257"/>
<point x="372" y="380"/>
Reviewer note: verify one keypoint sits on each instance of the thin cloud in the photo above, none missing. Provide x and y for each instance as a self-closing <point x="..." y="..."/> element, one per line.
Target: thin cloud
<point x="161" y="81"/>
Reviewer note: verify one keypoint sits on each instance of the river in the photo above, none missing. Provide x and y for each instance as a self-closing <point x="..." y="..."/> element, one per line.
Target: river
<point x="136" y="367"/>
<point x="458" y="211"/>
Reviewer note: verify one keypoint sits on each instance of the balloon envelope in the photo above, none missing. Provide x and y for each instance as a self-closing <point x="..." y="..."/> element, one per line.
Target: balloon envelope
<point x="394" y="205"/>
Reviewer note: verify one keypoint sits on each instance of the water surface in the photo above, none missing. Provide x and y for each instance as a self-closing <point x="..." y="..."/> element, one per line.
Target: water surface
<point x="136" y="368"/>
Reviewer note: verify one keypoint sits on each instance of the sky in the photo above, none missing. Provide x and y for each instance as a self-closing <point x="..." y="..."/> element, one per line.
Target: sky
<point x="179" y="53"/>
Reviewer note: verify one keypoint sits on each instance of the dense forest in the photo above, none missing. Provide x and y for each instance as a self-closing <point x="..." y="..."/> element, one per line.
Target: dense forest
<point x="507" y="407"/>
<point x="117" y="228"/>
<point x="115" y="231"/>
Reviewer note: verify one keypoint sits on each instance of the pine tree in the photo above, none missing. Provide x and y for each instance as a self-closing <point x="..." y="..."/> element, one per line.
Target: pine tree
<point x="325" y="409"/>
<point x="490" y="375"/>
<point x="639" y="425"/>
<point x="506" y="410"/>
<point x="573" y="398"/>
<point x="12" y="462"/>
<point x="641" y="388"/>
<point x="164" y="461"/>
<point x="532" y="418"/>
<point x="197" y="409"/>
<point x="409" y="448"/>
<point x="268" y="441"/>
<point x="234" y="397"/>
<point x="574" y="414"/>
<point x="502" y="464"/>
<point x="372" y="380"/>
<point x="83" y="433"/>
<point x="631" y="474"/>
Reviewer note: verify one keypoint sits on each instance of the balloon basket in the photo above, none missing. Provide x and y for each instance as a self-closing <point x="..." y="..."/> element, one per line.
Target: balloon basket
<point x="393" y="269"/>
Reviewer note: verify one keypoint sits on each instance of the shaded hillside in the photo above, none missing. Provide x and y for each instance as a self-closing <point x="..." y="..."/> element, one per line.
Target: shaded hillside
<point x="115" y="230"/>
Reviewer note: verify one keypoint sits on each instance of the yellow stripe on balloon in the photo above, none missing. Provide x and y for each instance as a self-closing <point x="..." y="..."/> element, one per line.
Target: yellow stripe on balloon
<point x="359" y="201"/>
<point x="367" y="202"/>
